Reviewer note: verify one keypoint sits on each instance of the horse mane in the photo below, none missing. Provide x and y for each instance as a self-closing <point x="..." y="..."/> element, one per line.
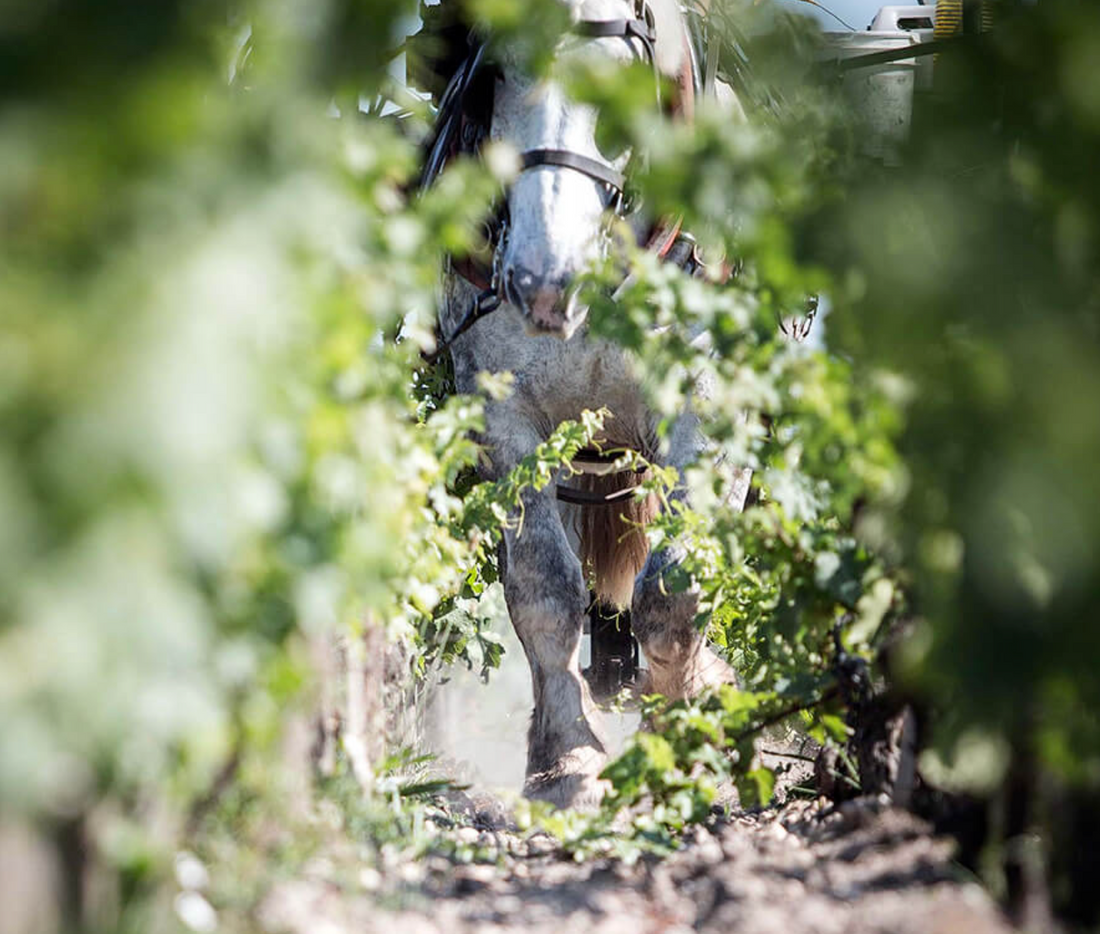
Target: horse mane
<point x="436" y="52"/>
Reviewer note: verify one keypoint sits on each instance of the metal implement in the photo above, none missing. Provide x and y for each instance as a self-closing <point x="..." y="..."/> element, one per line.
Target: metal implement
<point x="934" y="47"/>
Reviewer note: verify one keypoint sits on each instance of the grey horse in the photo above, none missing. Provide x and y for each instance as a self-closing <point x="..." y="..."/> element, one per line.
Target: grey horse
<point x="556" y="210"/>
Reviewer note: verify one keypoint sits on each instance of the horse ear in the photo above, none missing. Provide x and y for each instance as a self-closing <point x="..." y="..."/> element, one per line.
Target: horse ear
<point x="670" y="49"/>
<point x="434" y="53"/>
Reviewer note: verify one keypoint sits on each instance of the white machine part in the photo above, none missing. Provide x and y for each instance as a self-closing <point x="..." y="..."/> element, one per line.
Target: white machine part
<point x="880" y="95"/>
<point x="917" y="20"/>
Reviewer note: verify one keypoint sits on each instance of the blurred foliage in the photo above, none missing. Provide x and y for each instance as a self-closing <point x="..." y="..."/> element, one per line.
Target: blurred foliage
<point x="670" y="775"/>
<point x="973" y="273"/>
<point x="215" y="455"/>
<point x="974" y="277"/>
<point x="211" y="458"/>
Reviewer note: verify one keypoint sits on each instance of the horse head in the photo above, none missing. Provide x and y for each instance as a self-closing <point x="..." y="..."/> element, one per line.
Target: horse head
<point x="559" y="204"/>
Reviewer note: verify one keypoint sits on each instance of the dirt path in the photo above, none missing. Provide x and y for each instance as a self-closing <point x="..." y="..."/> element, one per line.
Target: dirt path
<point x="804" y="868"/>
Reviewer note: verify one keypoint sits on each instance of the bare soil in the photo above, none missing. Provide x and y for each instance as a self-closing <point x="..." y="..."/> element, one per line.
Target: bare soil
<point x="806" y="867"/>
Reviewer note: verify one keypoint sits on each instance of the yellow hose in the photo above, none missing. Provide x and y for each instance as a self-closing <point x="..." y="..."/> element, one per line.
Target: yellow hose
<point x="988" y="7"/>
<point x="949" y="19"/>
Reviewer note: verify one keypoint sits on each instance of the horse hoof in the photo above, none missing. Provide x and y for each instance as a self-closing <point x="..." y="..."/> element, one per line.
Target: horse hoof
<point x="681" y="678"/>
<point x="579" y="791"/>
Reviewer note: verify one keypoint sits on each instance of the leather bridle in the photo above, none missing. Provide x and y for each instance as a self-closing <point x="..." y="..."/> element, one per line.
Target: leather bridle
<point x="463" y="125"/>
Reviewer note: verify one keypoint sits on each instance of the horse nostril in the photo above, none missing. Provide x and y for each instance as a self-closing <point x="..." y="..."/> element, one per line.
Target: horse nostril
<point x="520" y="287"/>
<point x="546" y="302"/>
<point x="524" y="284"/>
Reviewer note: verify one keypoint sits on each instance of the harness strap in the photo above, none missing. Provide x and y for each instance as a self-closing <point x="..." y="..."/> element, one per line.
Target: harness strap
<point x="592" y="460"/>
<point x="663" y="238"/>
<point x="566" y="159"/>
<point x="477" y="273"/>
<point x="486" y="303"/>
<point x="627" y="29"/>
<point x="616" y="29"/>
<point x="568" y="494"/>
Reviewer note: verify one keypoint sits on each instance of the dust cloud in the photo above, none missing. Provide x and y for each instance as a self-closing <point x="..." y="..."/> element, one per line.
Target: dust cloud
<point x="479" y="731"/>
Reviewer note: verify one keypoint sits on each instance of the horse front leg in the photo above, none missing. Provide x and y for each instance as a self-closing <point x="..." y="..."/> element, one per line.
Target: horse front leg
<point x="547" y="599"/>
<point x="663" y="617"/>
<point x="679" y="660"/>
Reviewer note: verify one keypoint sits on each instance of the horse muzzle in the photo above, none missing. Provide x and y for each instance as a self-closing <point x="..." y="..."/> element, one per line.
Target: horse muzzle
<point x="549" y="307"/>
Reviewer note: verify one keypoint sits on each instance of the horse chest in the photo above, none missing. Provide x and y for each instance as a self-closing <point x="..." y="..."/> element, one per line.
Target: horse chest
<point x="555" y="380"/>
